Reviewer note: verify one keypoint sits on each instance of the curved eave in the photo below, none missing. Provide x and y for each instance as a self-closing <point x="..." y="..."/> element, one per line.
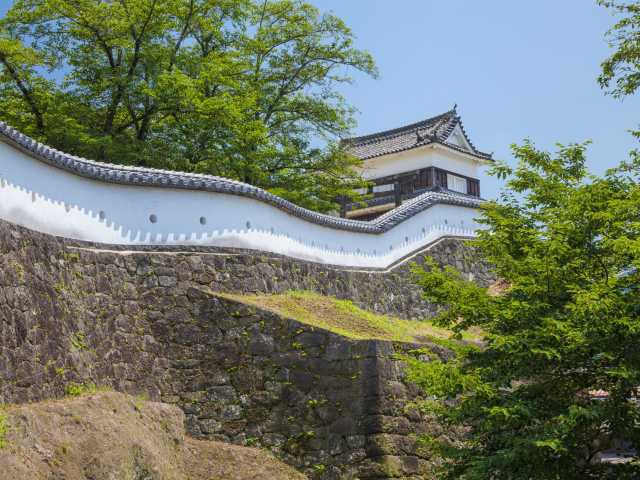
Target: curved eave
<point x="477" y="157"/>
<point x="125" y="175"/>
<point x="476" y="152"/>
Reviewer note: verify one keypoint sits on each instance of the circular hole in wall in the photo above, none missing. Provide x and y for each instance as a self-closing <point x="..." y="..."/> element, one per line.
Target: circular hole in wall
<point x="446" y="222"/>
<point x="424" y="230"/>
<point x="406" y="239"/>
<point x="248" y="224"/>
<point x="153" y="218"/>
<point x="203" y="220"/>
<point x="102" y="215"/>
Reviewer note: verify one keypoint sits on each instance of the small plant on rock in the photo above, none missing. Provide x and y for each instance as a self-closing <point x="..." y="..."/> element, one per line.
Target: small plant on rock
<point x="74" y="389"/>
<point x="4" y="429"/>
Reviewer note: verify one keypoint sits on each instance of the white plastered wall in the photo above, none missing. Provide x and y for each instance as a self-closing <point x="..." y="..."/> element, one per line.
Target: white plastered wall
<point x="418" y="158"/>
<point x="50" y="200"/>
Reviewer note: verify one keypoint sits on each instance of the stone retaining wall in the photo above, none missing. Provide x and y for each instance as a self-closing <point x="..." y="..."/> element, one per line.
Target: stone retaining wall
<point x="150" y="322"/>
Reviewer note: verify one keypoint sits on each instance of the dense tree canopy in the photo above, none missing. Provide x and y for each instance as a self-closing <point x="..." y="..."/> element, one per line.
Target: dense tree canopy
<point x="557" y="381"/>
<point x="238" y="88"/>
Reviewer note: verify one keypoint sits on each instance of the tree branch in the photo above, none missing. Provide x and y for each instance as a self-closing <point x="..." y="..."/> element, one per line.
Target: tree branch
<point x="27" y="92"/>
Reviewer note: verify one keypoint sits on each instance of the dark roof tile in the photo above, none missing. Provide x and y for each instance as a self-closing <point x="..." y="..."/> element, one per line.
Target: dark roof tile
<point x="432" y="130"/>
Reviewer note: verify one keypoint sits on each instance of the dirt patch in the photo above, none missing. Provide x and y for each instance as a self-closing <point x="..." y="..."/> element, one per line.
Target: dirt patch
<point x="112" y="436"/>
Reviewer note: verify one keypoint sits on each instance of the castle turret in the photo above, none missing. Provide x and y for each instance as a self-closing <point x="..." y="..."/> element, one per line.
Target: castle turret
<point x="403" y="163"/>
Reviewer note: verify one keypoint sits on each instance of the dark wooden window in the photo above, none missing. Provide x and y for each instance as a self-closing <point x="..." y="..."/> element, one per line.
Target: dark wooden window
<point x="407" y="186"/>
<point x="473" y="187"/>
<point x="424" y="178"/>
<point x="441" y="178"/>
<point x="429" y="182"/>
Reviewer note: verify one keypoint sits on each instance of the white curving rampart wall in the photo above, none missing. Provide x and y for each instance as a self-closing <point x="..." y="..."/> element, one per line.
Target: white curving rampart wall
<point x="54" y="201"/>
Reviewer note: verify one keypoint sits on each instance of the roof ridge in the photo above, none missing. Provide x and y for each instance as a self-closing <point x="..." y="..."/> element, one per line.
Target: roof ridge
<point x="450" y="125"/>
<point x="398" y="130"/>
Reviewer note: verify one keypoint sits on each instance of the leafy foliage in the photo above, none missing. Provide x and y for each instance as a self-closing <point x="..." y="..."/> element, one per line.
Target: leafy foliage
<point x="436" y="377"/>
<point x="621" y="71"/>
<point x="73" y="389"/>
<point x="566" y="245"/>
<point x="236" y="88"/>
<point x="4" y="429"/>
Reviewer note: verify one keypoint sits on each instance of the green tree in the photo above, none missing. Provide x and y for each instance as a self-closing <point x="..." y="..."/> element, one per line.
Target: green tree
<point x="621" y="71"/>
<point x="566" y="324"/>
<point x="238" y="88"/>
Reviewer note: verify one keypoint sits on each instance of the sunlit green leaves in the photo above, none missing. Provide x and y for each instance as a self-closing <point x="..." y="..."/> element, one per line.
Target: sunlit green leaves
<point x="238" y="88"/>
<point x="621" y="71"/>
<point x="564" y="326"/>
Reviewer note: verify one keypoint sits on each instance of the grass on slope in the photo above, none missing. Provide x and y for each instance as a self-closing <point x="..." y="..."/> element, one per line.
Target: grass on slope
<point x="346" y="319"/>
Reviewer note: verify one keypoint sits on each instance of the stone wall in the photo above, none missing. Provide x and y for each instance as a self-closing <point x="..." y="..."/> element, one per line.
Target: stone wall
<point x="235" y="270"/>
<point x="150" y="322"/>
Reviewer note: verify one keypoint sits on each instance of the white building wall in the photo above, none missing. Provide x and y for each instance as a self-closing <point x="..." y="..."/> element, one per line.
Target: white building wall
<point x="417" y="158"/>
<point x="47" y="199"/>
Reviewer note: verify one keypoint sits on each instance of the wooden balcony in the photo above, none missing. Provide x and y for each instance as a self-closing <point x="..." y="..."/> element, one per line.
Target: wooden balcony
<point x="389" y="192"/>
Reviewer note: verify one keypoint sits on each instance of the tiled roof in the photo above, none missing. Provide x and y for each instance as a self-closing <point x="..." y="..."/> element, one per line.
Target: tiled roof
<point x="126" y="175"/>
<point x="432" y="130"/>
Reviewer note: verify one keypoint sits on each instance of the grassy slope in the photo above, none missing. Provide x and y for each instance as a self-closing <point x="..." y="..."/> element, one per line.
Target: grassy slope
<point x="108" y="435"/>
<point x="346" y="319"/>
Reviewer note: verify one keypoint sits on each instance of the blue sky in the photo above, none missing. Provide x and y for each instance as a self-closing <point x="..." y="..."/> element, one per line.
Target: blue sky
<point x="516" y="70"/>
